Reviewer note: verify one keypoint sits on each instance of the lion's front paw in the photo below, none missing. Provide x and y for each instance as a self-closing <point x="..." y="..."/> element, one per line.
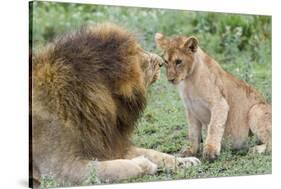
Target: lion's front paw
<point x="187" y="162"/>
<point x="210" y="153"/>
<point x="147" y="166"/>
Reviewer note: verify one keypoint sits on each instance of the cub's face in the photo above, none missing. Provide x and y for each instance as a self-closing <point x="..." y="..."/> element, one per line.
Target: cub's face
<point x="151" y="64"/>
<point x="178" y="55"/>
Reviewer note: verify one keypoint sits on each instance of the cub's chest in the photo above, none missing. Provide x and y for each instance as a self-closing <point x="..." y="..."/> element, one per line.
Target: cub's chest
<point x="194" y="102"/>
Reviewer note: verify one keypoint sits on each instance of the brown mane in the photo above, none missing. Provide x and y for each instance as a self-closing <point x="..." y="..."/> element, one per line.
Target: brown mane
<point x="91" y="79"/>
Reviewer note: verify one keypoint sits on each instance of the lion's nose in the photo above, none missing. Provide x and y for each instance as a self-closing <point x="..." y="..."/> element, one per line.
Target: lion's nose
<point x="171" y="80"/>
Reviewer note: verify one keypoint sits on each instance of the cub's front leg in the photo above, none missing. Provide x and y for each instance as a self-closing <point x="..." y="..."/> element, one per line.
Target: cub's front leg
<point x="219" y="111"/>
<point x="194" y="135"/>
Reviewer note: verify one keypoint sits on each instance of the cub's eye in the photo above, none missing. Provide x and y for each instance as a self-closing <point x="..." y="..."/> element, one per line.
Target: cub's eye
<point x="178" y="61"/>
<point x="166" y="62"/>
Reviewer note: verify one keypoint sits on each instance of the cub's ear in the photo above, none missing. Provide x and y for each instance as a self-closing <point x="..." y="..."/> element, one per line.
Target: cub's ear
<point x="161" y="41"/>
<point x="191" y="44"/>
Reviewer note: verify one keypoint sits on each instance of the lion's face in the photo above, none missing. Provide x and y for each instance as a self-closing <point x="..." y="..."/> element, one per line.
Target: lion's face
<point x="178" y="56"/>
<point x="151" y="67"/>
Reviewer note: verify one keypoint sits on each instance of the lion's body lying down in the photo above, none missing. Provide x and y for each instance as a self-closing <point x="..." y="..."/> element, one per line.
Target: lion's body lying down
<point x="88" y="90"/>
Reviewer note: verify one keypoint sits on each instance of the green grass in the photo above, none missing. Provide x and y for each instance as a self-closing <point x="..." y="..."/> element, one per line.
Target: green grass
<point x="240" y="43"/>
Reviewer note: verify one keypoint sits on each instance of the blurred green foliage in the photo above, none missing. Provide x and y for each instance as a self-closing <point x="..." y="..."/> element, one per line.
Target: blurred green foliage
<point x="240" y="43"/>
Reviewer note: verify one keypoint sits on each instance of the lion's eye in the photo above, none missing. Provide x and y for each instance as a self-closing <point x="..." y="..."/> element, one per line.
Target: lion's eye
<point x="166" y="62"/>
<point x="178" y="61"/>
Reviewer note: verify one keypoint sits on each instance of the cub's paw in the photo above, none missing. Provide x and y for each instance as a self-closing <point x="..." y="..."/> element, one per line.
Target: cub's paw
<point x="210" y="153"/>
<point x="146" y="165"/>
<point x="187" y="162"/>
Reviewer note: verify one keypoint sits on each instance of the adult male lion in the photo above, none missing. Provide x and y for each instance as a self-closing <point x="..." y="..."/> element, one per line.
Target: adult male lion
<point x="88" y="90"/>
<point x="224" y="105"/>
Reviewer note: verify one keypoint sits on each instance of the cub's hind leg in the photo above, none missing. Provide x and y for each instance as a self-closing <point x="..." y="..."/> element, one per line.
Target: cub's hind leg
<point x="260" y="122"/>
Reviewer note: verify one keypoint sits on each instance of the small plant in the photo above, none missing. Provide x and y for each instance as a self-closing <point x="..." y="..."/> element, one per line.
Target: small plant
<point x="93" y="179"/>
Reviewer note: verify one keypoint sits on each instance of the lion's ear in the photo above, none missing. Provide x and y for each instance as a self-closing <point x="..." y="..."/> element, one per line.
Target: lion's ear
<point x="161" y="41"/>
<point x="191" y="44"/>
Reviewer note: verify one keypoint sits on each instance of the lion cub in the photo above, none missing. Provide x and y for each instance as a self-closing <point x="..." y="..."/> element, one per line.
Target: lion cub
<point x="224" y="105"/>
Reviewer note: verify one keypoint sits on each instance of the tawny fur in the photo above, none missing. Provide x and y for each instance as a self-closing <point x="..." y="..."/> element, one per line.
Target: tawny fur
<point x="88" y="90"/>
<point x="227" y="107"/>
